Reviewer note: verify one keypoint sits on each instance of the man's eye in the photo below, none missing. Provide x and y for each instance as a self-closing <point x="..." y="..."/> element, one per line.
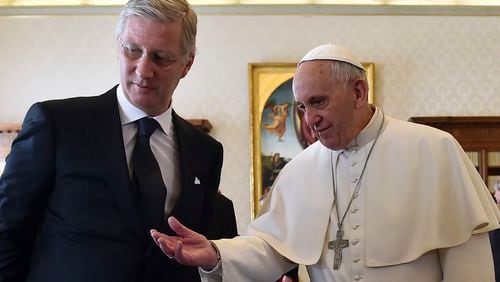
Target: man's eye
<point x="162" y="59"/>
<point x="133" y="51"/>
<point x="318" y="103"/>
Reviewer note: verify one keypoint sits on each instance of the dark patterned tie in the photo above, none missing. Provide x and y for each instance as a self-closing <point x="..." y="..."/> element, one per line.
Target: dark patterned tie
<point x="147" y="175"/>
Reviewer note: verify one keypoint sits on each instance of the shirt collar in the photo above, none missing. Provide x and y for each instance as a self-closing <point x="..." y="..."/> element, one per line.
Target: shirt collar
<point x="369" y="132"/>
<point x="130" y="113"/>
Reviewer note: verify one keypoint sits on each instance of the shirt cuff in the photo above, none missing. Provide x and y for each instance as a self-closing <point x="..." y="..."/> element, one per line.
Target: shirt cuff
<point x="217" y="270"/>
<point x="214" y="274"/>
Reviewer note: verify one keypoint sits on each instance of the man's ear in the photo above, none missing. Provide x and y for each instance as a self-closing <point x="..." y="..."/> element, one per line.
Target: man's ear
<point x="361" y="92"/>
<point x="188" y="65"/>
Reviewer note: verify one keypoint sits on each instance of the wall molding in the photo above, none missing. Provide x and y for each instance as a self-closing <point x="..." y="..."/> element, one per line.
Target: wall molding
<point x="317" y="9"/>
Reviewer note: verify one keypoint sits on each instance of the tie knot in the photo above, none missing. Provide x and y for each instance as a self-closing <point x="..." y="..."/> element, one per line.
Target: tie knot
<point x="146" y="126"/>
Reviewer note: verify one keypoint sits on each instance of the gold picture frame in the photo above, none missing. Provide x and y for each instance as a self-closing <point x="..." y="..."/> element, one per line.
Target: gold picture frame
<point x="267" y="79"/>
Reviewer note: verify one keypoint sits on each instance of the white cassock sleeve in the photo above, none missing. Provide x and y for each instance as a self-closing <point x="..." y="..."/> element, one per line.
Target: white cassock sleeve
<point x="470" y="261"/>
<point x="248" y="258"/>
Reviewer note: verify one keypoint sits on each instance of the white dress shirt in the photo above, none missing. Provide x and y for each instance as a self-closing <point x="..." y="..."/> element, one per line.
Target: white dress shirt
<point x="163" y="145"/>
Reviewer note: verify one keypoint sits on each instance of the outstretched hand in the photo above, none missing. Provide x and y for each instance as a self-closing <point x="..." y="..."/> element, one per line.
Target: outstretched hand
<point x="188" y="247"/>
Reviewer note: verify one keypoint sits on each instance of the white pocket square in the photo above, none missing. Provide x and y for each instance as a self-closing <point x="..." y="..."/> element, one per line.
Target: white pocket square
<point x="196" y="180"/>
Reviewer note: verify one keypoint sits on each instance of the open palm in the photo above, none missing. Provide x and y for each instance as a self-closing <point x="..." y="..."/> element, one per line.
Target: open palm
<point x="188" y="247"/>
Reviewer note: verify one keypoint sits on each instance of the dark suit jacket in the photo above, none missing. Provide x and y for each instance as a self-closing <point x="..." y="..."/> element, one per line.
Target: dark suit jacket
<point x="495" y="248"/>
<point x="66" y="207"/>
<point x="222" y="224"/>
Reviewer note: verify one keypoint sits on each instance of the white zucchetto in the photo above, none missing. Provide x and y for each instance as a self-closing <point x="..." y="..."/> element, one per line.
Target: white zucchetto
<point x="332" y="52"/>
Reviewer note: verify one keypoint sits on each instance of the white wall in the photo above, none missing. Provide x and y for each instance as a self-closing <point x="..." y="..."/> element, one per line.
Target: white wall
<point x="424" y="65"/>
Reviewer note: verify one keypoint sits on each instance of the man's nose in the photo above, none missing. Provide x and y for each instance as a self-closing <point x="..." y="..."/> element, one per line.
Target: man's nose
<point x="312" y="118"/>
<point x="144" y="67"/>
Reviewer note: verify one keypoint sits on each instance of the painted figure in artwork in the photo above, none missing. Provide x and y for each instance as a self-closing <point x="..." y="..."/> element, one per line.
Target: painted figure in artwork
<point x="278" y="115"/>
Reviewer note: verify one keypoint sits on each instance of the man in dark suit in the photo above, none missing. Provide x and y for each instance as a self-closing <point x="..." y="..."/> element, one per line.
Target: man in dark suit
<point x="71" y="197"/>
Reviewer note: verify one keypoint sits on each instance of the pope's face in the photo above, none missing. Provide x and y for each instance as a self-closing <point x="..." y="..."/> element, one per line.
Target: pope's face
<point x="328" y="105"/>
<point x="152" y="62"/>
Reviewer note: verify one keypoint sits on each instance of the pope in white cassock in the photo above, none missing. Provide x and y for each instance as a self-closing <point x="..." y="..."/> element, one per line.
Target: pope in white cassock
<point x="376" y="199"/>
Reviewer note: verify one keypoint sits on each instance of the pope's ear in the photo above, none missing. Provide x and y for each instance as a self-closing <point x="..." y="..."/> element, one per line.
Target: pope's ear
<point x="361" y="91"/>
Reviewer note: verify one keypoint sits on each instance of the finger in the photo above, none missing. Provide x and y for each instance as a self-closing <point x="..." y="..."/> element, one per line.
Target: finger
<point x="179" y="256"/>
<point x="155" y="235"/>
<point x="166" y="243"/>
<point x="166" y="248"/>
<point x="178" y="227"/>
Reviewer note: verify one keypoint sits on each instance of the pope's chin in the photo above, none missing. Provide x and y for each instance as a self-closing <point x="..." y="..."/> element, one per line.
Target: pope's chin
<point x="329" y="142"/>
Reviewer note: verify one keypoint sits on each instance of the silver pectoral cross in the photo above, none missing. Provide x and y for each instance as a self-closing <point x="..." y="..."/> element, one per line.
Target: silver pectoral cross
<point x="337" y="245"/>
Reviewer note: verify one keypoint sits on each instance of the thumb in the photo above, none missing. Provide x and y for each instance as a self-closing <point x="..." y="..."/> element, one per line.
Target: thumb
<point x="178" y="227"/>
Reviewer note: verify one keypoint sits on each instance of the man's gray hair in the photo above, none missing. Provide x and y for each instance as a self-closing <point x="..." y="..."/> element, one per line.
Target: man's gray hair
<point x="163" y="10"/>
<point x="345" y="72"/>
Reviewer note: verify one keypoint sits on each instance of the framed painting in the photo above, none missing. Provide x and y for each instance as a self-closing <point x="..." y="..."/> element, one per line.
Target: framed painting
<point x="277" y="133"/>
<point x="8" y="131"/>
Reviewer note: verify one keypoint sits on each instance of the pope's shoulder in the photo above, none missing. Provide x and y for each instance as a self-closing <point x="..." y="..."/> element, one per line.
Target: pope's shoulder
<point x="406" y="129"/>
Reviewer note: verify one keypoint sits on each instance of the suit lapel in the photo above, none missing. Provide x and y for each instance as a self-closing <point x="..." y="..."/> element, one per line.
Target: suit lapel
<point x="190" y="203"/>
<point x="105" y="132"/>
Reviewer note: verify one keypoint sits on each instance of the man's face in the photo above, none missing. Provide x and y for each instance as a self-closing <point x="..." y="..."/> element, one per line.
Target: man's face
<point x="152" y="61"/>
<point x="328" y="105"/>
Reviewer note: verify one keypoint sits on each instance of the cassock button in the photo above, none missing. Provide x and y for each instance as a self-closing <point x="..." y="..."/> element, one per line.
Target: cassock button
<point x="353" y="163"/>
<point x="355" y="227"/>
<point x="355" y="242"/>
<point x="354" y="210"/>
<point x="356" y="260"/>
<point x="354" y="180"/>
<point x="358" y="277"/>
